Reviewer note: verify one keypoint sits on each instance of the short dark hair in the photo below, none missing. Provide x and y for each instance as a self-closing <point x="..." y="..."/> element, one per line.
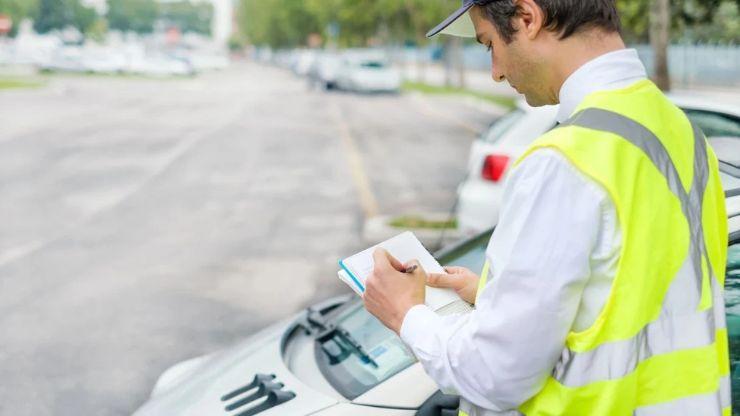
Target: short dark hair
<point x="566" y="17"/>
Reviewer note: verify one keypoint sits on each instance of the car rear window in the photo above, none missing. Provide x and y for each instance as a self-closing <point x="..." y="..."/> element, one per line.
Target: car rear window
<point x="501" y="126"/>
<point x="715" y="124"/>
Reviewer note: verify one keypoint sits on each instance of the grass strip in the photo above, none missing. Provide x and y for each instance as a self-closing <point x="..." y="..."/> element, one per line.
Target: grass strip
<point x="7" y="83"/>
<point x="503" y="101"/>
<point x="416" y="221"/>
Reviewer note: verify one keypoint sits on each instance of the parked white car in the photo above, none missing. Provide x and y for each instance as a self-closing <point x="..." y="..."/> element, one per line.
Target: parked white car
<point x="325" y="70"/>
<point x="496" y="150"/>
<point x="335" y="359"/>
<point x="368" y="72"/>
<point x="303" y="60"/>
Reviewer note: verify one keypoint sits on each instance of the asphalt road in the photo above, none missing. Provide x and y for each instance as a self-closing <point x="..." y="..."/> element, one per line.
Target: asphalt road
<point x="149" y="221"/>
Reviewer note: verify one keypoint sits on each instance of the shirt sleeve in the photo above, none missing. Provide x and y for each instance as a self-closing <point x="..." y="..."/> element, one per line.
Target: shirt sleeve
<point x="500" y="355"/>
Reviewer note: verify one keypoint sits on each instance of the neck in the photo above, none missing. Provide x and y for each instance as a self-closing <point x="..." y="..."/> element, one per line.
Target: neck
<point x="576" y="51"/>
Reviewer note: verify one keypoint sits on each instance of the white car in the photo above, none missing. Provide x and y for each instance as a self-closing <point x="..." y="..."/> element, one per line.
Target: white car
<point x="303" y="61"/>
<point x="325" y="70"/>
<point x="336" y="359"/>
<point x="367" y="72"/>
<point x="493" y="154"/>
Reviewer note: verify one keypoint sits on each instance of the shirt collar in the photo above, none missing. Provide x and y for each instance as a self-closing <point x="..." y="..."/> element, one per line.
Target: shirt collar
<point x="613" y="70"/>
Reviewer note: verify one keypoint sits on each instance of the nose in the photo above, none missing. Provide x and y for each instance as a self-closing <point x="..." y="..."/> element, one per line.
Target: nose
<point x="496" y="74"/>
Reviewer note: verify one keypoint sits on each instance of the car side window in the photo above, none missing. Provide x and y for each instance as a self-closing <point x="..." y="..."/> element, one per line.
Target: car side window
<point x="732" y="304"/>
<point x="715" y="124"/>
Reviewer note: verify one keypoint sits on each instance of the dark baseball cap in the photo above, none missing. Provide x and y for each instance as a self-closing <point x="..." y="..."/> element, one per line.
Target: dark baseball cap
<point x="459" y="23"/>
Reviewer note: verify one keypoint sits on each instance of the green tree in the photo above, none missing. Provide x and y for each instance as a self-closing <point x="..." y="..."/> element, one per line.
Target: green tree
<point x="58" y="14"/>
<point x="277" y="23"/>
<point x="695" y="20"/>
<point x="286" y="23"/>
<point x="18" y="10"/>
<point x="53" y="15"/>
<point x="83" y="17"/>
<point x="187" y="16"/>
<point x="132" y="15"/>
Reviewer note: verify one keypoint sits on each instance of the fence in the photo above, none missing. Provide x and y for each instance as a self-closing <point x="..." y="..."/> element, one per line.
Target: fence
<point x="689" y="65"/>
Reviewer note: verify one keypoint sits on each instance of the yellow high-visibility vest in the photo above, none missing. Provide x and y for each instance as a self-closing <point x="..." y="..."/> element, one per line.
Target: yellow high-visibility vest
<point x="659" y="346"/>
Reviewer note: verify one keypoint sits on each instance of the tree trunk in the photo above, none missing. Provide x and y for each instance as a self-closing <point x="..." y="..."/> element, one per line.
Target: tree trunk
<point x="460" y="62"/>
<point x="421" y="64"/>
<point x="660" y="23"/>
<point x="448" y="58"/>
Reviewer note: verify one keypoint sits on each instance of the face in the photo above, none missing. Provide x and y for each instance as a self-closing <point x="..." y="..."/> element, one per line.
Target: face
<point x="516" y="62"/>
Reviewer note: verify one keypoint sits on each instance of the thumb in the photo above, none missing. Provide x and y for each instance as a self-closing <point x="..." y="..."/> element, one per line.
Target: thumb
<point x="443" y="280"/>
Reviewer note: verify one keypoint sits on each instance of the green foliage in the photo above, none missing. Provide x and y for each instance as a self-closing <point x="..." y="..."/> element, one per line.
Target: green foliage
<point x="58" y="14"/>
<point x="18" y="10"/>
<point x="188" y="17"/>
<point x="694" y="20"/>
<point x="52" y="14"/>
<point x="288" y="23"/>
<point x="132" y="15"/>
<point x="97" y="30"/>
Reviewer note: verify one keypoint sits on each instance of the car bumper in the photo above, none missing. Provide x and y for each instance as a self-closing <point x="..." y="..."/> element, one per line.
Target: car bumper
<point x="478" y="206"/>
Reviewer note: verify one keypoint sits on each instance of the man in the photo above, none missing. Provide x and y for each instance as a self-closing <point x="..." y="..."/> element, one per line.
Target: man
<point x="602" y="290"/>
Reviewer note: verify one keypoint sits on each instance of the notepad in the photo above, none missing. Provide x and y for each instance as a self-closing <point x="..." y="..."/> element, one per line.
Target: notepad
<point x="405" y="247"/>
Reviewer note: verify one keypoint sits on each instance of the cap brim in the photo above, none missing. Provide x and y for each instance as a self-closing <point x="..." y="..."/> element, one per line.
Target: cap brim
<point x="456" y="24"/>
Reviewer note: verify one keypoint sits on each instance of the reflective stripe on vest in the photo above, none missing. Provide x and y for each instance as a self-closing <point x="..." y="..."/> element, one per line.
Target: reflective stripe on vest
<point x="645" y="140"/>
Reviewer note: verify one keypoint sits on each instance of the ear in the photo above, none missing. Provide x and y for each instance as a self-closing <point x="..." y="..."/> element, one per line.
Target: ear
<point x="530" y="18"/>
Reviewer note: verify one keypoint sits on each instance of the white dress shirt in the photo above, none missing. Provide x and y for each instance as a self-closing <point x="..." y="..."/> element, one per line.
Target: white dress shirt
<point x="553" y="257"/>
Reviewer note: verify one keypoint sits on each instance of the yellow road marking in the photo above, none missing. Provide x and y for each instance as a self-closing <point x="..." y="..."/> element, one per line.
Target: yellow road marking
<point x="367" y="199"/>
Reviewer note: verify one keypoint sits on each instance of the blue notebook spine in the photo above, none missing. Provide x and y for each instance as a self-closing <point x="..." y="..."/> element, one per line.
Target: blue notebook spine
<point x="351" y="275"/>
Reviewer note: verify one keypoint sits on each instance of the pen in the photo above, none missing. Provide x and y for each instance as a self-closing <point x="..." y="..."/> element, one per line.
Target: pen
<point x="410" y="269"/>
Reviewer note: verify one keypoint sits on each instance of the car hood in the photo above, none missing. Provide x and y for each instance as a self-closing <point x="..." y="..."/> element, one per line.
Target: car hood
<point x="196" y="387"/>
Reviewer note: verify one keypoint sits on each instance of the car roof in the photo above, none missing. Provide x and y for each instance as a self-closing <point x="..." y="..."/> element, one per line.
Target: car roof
<point x="726" y="103"/>
<point x="727" y="150"/>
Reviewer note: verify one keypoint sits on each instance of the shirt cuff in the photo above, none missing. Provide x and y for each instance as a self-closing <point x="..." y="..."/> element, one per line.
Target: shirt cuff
<point x="416" y="324"/>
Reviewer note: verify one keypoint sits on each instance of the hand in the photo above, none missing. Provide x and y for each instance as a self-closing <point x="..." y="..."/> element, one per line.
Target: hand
<point x="460" y="279"/>
<point x="389" y="292"/>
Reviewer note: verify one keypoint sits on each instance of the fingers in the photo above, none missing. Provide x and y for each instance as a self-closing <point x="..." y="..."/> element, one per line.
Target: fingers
<point x="456" y="270"/>
<point x="383" y="259"/>
<point x="443" y="280"/>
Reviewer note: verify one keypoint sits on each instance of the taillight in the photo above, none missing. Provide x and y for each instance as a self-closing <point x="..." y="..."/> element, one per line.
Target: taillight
<point x="494" y="167"/>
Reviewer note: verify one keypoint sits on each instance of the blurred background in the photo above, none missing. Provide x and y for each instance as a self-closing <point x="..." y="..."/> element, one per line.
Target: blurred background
<point x="175" y="175"/>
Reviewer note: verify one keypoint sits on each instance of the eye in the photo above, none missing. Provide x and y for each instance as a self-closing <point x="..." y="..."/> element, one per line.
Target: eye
<point x="489" y="47"/>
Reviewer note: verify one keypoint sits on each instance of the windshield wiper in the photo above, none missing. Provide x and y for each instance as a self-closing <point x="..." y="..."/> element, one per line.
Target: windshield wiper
<point x="346" y="344"/>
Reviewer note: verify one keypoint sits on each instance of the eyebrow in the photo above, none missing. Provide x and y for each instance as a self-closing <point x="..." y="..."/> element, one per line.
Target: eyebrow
<point x="478" y="36"/>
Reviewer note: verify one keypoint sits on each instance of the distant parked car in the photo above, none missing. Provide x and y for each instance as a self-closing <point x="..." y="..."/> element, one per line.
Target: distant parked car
<point x="103" y="61"/>
<point x="303" y="61"/>
<point x="368" y="72"/>
<point x="324" y="70"/>
<point x="160" y="65"/>
<point x="496" y="150"/>
<point x="336" y="359"/>
<point x="65" y="59"/>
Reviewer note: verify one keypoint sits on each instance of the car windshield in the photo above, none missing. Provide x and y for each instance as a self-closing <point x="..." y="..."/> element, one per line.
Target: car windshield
<point x="346" y="368"/>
